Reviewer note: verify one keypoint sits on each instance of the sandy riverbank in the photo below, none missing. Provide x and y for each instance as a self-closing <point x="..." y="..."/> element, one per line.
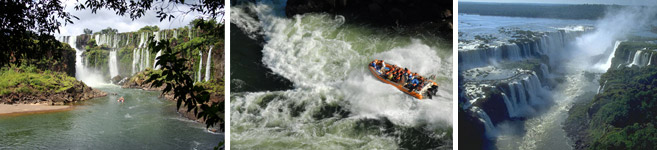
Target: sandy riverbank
<point x="6" y="109"/>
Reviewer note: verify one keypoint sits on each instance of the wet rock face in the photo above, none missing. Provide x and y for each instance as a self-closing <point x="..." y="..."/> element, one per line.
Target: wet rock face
<point x="390" y="12"/>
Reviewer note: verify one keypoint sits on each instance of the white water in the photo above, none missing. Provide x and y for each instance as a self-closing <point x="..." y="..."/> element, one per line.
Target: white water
<point x="636" y="61"/>
<point x="141" y="54"/>
<point x="491" y="131"/>
<point x="82" y="73"/>
<point x="135" y="60"/>
<point x="207" y="65"/>
<point x="113" y="66"/>
<point x="550" y="44"/>
<point x="524" y="95"/>
<point x="200" y="65"/>
<point x="607" y="64"/>
<point x="650" y="59"/>
<point x="326" y="61"/>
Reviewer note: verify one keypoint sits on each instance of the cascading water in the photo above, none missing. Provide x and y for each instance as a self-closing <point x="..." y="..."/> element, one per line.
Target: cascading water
<point x="548" y="44"/>
<point x="112" y="41"/>
<point x="208" y="64"/>
<point x="336" y="103"/>
<point x="523" y="94"/>
<point x="200" y="65"/>
<point x="82" y="73"/>
<point x="113" y="65"/>
<point x="141" y="55"/>
<point x="135" y="60"/>
<point x="641" y="58"/>
<point x="607" y="64"/>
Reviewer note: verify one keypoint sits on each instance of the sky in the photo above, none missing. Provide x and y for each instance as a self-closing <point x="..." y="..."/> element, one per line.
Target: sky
<point x="107" y="18"/>
<point x="619" y="2"/>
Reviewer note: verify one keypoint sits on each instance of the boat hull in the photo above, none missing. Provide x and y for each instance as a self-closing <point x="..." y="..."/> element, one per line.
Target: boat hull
<point x="399" y="85"/>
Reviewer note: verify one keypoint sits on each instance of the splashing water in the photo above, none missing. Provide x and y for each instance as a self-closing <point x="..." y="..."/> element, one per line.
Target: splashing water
<point x="336" y="102"/>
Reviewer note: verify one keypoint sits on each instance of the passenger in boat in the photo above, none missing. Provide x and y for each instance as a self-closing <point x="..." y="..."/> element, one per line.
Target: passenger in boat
<point x="374" y="64"/>
<point x="383" y="65"/>
<point x="398" y="78"/>
<point x="409" y="77"/>
<point x="414" y="84"/>
<point x="390" y="73"/>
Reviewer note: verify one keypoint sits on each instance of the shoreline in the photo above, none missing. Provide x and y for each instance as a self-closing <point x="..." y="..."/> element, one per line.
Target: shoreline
<point x="24" y="109"/>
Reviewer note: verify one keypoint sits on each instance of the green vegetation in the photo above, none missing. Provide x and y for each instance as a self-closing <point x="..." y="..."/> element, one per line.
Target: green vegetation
<point x="176" y="76"/>
<point x="109" y="30"/>
<point x="153" y="28"/>
<point x="30" y="80"/>
<point x="87" y="31"/>
<point x="623" y="116"/>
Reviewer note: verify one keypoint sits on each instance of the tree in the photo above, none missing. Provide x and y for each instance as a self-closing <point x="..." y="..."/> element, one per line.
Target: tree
<point x="173" y="76"/>
<point x="88" y="31"/>
<point x="26" y="24"/>
<point x="23" y="20"/>
<point x="108" y="30"/>
<point x="153" y="28"/>
<point x="137" y="9"/>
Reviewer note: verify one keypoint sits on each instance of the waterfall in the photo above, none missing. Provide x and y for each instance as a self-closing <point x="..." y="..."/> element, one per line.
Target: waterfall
<point x="113" y="66"/>
<point x="548" y="44"/>
<point x="141" y="56"/>
<point x="636" y="61"/>
<point x="112" y="41"/>
<point x="208" y="64"/>
<point x="79" y="67"/>
<point x="601" y="88"/>
<point x="544" y="70"/>
<point x="200" y="65"/>
<point x="488" y="124"/>
<point x="82" y="73"/>
<point x="189" y="32"/>
<point x="607" y="65"/>
<point x="650" y="58"/>
<point x="522" y="95"/>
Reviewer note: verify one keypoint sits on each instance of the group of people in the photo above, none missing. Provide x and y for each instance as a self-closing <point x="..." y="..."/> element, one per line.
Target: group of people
<point x="397" y="74"/>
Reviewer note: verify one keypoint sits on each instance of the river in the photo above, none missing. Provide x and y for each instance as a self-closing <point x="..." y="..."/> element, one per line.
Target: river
<point x="306" y="84"/>
<point x="143" y="121"/>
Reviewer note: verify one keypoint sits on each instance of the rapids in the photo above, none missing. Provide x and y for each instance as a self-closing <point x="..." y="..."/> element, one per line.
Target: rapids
<point x="335" y="102"/>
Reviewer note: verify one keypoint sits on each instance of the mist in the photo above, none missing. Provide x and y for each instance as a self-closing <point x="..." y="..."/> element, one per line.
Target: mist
<point x="616" y="25"/>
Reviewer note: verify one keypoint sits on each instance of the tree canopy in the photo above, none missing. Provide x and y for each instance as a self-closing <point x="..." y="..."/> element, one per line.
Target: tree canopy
<point x="87" y="31"/>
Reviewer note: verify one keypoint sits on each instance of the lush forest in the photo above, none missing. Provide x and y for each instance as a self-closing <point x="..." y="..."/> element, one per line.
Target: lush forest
<point x="622" y="116"/>
<point x="558" y="11"/>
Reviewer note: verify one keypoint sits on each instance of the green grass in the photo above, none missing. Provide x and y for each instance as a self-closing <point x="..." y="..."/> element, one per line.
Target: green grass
<point x="30" y="80"/>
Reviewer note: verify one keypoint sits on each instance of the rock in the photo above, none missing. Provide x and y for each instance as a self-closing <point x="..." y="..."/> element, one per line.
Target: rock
<point x="431" y="16"/>
<point x="399" y="11"/>
<point x="117" y="79"/>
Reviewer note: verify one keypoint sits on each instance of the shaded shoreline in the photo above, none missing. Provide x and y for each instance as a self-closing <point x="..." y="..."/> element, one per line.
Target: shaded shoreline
<point x="27" y="109"/>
